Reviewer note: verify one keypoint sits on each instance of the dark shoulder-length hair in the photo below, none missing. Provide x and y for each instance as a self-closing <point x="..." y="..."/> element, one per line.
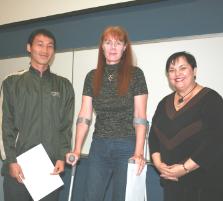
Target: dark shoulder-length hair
<point x="173" y="58"/>
<point x="125" y="70"/>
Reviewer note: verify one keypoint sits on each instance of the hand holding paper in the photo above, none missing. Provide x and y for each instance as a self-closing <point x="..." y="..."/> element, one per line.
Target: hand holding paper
<point x="15" y="171"/>
<point x="59" y="167"/>
<point x="37" y="168"/>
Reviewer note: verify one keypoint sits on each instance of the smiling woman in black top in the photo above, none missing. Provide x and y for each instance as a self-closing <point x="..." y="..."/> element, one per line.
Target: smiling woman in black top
<point x="186" y="136"/>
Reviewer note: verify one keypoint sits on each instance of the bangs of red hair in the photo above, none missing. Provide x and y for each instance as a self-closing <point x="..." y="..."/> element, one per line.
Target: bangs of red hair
<point x="114" y="32"/>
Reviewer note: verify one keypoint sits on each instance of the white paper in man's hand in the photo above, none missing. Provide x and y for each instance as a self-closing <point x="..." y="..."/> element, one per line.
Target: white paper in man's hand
<point x="37" y="168"/>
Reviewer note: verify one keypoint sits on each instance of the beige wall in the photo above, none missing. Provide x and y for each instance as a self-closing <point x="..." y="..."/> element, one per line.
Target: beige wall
<point x="31" y="9"/>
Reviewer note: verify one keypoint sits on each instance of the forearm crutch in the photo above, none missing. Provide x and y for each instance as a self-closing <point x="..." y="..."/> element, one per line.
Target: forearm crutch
<point x="73" y="170"/>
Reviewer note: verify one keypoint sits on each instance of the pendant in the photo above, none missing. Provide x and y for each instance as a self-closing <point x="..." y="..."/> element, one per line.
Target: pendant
<point x="181" y="100"/>
<point x="110" y="77"/>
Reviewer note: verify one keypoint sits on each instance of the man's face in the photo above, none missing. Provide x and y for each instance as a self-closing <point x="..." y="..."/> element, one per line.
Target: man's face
<point x="41" y="51"/>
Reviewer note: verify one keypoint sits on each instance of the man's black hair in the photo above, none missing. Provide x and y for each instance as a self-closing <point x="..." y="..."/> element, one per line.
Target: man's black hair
<point x="44" y="32"/>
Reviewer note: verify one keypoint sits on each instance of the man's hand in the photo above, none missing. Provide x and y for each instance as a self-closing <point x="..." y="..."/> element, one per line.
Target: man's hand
<point x="15" y="171"/>
<point x="59" y="167"/>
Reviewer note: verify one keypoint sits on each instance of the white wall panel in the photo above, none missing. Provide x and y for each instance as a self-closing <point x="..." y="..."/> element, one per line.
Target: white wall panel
<point x="84" y="61"/>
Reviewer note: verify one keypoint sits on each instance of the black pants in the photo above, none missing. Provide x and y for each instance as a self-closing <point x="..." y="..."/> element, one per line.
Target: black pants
<point x="14" y="191"/>
<point x="175" y="192"/>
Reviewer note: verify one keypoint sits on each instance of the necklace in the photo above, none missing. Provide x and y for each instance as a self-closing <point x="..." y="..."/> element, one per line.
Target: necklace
<point x="111" y="71"/>
<point x="111" y="77"/>
<point x="181" y="99"/>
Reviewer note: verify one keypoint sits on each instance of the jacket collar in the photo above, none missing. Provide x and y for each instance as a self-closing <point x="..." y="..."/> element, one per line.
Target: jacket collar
<point x="38" y="73"/>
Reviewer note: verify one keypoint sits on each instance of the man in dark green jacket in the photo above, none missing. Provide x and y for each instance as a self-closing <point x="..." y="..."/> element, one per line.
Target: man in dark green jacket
<point x="38" y="107"/>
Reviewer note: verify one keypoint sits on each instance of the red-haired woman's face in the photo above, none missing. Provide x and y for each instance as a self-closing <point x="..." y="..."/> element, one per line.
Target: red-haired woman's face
<point x="113" y="49"/>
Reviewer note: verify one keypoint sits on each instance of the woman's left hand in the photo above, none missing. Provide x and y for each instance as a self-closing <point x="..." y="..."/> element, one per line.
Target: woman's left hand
<point x="140" y="161"/>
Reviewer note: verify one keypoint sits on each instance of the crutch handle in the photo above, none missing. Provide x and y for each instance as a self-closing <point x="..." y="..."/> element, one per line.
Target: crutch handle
<point x="71" y="158"/>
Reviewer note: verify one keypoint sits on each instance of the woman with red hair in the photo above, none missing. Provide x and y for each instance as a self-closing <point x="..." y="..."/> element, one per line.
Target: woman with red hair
<point x="117" y="92"/>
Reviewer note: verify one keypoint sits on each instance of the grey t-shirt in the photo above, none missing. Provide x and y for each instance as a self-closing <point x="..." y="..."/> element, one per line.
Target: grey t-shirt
<point x="114" y="113"/>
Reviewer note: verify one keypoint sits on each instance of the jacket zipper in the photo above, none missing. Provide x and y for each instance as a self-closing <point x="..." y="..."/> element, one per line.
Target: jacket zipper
<point x="41" y="105"/>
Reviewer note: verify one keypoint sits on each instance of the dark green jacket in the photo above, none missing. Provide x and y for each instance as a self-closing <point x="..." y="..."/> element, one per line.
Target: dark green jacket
<point x="36" y="109"/>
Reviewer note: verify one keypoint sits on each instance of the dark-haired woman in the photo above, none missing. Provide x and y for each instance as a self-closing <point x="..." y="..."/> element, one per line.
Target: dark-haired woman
<point x="186" y="136"/>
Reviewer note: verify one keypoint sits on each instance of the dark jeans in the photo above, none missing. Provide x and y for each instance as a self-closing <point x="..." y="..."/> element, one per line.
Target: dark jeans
<point x="108" y="160"/>
<point x="14" y="191"/>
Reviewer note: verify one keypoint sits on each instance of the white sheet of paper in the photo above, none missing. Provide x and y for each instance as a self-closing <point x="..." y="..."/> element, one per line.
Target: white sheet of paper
<point x="136" y="185"/>
<point x="37" y="166"/>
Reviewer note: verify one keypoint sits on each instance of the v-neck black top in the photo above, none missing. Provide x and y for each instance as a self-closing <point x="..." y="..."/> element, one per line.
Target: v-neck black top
<point x="195" y="131"/>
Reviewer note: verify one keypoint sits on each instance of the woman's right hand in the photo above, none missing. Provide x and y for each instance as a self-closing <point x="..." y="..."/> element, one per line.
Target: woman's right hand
<point x="164" y="171"/>
<point x="161" y="167"/>
<point x="74" y="156"/>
